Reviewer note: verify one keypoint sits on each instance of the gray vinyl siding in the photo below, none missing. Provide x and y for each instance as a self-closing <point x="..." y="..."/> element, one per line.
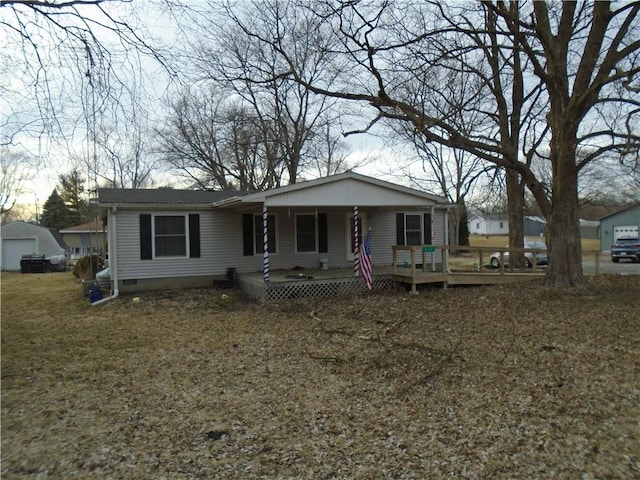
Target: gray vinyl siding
<point x="221" y="244"/>
<point x="130" y="266"/>
<point x="347" y="192"/>
<point x="383" y="225"/>
<point x="286" y="256"/>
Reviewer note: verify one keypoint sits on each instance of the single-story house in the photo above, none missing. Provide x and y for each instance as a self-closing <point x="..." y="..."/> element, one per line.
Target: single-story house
<point x="168" y="238"/>
<point x="488" y="225"/>
<point x="623" y="223"/>
<point x="22" y="238"/>
<point x="85" y="239"/>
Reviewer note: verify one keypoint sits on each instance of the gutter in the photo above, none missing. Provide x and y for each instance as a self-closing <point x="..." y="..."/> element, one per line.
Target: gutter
<point x="113" y="260"/>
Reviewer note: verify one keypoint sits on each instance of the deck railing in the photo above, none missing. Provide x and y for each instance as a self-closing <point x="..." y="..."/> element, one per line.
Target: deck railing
<point x="426" y="255"/>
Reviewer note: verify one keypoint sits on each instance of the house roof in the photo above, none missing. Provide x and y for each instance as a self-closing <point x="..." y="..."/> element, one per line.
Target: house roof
<point x="490" y="217"/>
<point x="89" y="227"/>
<point x="18" y="228"/>
<point x="535" y="218"/>
<point x="108" y="197"/>
<point x="345" y="189"/>
<point x="630" y="207"/>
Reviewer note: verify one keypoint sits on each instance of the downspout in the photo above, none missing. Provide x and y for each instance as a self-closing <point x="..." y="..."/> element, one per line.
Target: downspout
<point x="445" y="259"/>
<point x="113" y="259"/>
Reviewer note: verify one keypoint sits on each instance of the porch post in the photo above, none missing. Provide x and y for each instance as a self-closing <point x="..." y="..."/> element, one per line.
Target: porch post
<point x="265" y="239"/>
<point x="356" y="243"/>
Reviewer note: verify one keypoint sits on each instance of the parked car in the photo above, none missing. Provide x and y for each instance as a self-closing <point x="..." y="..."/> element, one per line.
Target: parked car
<point x="626" y="248"/>
<point x="541" y="257"/>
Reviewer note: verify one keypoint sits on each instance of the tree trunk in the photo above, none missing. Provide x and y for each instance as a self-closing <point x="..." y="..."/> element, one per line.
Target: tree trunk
<point x="463" y="225"/>
<point x="515" y="212"/>
<point x="563" y="228"/>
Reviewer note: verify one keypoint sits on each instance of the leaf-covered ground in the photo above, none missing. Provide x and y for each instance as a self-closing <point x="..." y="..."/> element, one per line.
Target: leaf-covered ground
<point x="483" y="382"/>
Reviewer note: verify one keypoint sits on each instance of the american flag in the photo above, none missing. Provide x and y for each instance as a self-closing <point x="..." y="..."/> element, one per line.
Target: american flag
<point x="365" y="261"/>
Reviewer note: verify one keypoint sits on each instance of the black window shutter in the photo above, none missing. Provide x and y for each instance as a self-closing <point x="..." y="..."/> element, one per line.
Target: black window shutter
<point x="399" y="228"/>
<point x="194" y="235"/>
<point x="427" y="228"/>
<point x="323" y="234"/>
<point x="145" y="237"/>
<point x="247" y="234"/>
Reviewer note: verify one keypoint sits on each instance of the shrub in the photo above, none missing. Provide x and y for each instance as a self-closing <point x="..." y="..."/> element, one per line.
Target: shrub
<point x="87" y="267"/>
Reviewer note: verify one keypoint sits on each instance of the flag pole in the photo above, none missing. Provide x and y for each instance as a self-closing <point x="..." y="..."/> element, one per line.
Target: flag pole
<point x="356" y="243"/>
<point x="265" y="245"/>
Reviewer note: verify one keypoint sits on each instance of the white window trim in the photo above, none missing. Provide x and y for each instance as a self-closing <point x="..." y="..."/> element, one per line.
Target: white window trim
<point x="185" y="219"/>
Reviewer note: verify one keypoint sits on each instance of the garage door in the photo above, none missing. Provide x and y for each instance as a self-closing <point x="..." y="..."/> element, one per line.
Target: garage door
<point x="625" y="231"/>
<point x="13" y="249"/>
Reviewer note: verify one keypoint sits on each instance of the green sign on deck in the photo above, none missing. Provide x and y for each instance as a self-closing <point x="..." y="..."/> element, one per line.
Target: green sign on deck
<point x="428" y="249"/>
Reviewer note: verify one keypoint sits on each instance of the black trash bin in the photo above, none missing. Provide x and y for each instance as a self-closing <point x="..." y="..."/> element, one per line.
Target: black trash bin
<point x="33" y="264"/>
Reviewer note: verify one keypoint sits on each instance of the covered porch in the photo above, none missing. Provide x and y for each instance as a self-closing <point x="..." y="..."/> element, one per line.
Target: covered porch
<point x="411" y="266"/>
<point x="311" y="283"/>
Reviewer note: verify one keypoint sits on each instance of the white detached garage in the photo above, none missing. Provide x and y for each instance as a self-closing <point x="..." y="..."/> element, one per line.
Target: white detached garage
<point x="22" y="238"/>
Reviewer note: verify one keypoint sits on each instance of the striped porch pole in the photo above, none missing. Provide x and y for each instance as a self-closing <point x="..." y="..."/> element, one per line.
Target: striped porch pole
<point x="265" y="240"/>
<point x="356" y="243"/>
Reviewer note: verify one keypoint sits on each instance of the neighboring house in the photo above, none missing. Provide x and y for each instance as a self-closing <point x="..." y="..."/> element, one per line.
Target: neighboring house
<point x="623" y="223"/>
<point x="176" y="238"/>
<point x="21" y="238"/>
<point x="85" y="239"/>
<point x="534" y="226"/>
<point x="489" y="225"/>
<point x="499" y="225"/>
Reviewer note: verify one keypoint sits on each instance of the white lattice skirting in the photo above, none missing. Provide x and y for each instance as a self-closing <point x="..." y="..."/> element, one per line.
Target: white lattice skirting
<point x="327" y="287"/>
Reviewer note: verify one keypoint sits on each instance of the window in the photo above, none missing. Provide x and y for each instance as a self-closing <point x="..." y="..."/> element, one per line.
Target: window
<point x="258" y="229"/>
<point x="305" y="233"/>
<point x="501" y="225"/>
<point x="170" y="236"/>
<point x="413" y="229"/>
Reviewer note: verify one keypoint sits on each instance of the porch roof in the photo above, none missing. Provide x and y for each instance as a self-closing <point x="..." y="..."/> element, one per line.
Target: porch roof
<point x="342" y="190"/>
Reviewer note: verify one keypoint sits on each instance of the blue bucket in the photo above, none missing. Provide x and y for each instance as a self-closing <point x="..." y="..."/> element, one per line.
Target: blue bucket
<point x="95" y="294"/>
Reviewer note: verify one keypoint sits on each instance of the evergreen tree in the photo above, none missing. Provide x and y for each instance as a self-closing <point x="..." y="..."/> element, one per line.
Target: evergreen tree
<point x="72" y="192"/>
<point x="56" y="213"/>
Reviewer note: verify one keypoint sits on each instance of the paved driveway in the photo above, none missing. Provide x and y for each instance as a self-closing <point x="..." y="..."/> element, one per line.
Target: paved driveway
<point x="607" y="266"/>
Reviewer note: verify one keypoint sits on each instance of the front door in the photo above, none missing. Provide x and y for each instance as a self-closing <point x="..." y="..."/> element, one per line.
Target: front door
<point x="351" y="234"/>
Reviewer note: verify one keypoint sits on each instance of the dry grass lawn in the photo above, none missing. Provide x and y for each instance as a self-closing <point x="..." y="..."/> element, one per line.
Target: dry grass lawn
<point x="484" y="382"/>
<point x="589" y="245"/>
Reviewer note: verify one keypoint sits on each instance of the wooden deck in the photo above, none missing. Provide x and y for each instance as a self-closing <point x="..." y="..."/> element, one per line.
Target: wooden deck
<point x="430" y="264"/>
<point x="412" y="265"/>
<point x="419" y="277"/>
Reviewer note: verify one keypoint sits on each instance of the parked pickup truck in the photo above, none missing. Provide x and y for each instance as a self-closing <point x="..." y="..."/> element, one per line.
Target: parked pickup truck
<point x="626" y="248"/>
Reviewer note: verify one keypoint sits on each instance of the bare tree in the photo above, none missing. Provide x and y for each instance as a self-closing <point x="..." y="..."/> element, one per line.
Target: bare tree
<point x="123" y="156"/>
<point x="75" y="61"/>
<point x="294" y="120"/>
<point x="15" y="169"/>
<point x="217" y="143"/>
<point x="450" y="172"/>
<point x="586" y="55"/>
<point x="577" y="61"/>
